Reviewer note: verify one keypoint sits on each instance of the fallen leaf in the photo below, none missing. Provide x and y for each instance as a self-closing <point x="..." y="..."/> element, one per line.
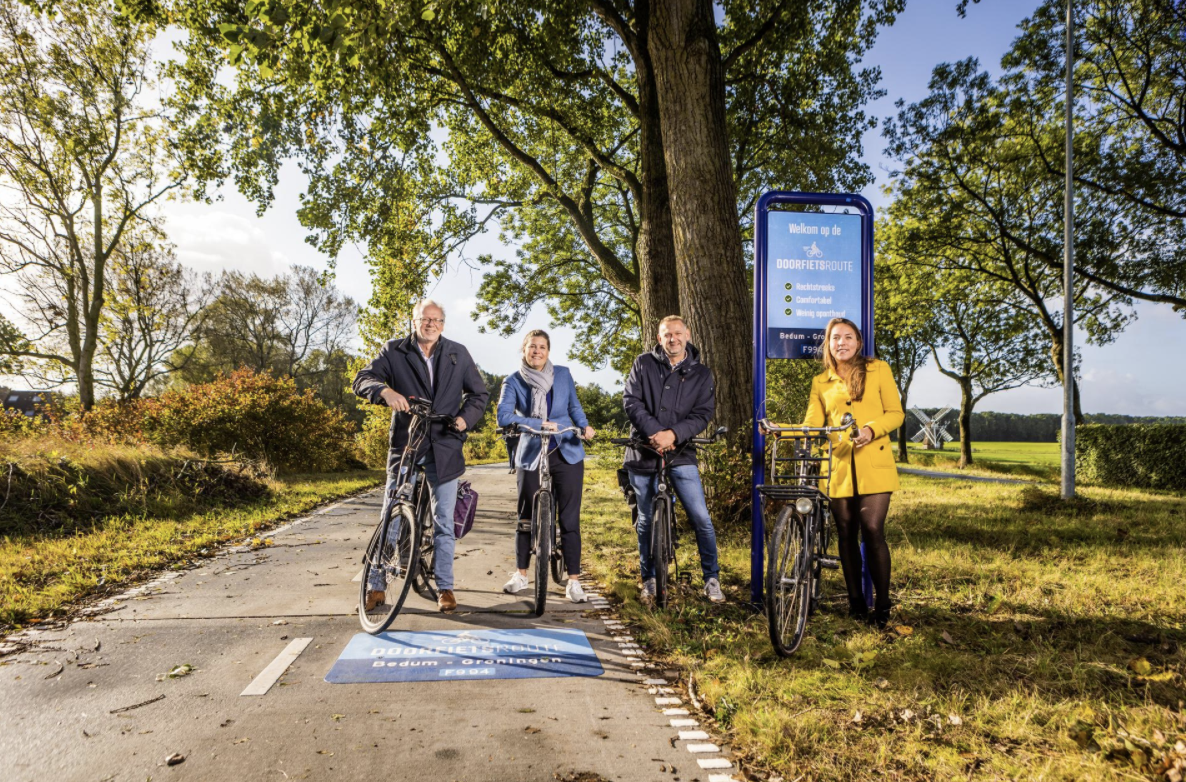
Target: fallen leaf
<point x="907" y="715"/>
<point x="241" y="741"/>
<point x="857" y="718"/>
<point x="954" y="719"/>
<point x="181" y="670"/>
<point x="880" y="683"/>
<point x="174" y="759"/>
<point x="947" y="639"/>
<point x="531" y="730"/>
<point x="282" y="621"/>
<point x="324" y="752"/>
<point x="1140" y="666"/>
<point x="903" y="630"/>
<point x="831" y="663"/>
<point x="338" y="717"/>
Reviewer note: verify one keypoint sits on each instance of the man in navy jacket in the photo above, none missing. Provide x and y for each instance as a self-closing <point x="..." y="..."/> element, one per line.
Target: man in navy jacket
<point x="428" y="366"/>
<point x="670" y="398"/>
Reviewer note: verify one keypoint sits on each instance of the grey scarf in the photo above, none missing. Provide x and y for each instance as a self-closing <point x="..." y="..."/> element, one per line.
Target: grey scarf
<point x="540" y="382"/>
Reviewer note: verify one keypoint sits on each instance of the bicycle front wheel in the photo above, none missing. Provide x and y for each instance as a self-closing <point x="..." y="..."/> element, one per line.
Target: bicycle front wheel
<point x="559" y="569"/>
<point x="661" y="548"/>
<point x="788" y="581"/>
<point x="543" y="521"/>
<point x="424" y="583"/>
<point x="388" y="567"/>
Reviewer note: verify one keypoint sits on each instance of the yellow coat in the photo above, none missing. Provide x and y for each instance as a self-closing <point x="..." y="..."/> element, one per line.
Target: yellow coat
<point x="880" y="409"/>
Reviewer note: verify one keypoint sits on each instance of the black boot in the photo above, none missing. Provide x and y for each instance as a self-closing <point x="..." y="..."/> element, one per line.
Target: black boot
<point x="858" y="611"/>
<point x="879" y="617"/>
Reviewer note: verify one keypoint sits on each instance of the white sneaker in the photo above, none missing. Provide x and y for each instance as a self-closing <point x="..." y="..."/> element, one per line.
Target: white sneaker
<point x="517" y="583"/>
<point x="574" y="591"/>
<point x="712" y="590"/>
<point x="647" y="595"/>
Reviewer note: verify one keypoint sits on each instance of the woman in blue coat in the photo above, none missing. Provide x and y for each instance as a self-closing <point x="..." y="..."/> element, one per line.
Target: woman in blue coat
<point x="543" y="396"/>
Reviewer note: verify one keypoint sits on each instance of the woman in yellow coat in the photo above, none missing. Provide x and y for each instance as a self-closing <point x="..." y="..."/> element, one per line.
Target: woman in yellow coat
<point x="863" y="471"/>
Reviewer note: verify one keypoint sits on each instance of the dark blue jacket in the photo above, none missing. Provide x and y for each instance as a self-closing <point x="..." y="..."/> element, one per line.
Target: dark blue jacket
<point x="566" y="411"/>
<point x="459" y="391"/>
<point x="657" y="398"/>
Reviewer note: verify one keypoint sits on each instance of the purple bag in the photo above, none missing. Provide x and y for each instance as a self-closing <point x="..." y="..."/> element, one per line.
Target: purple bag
<point x="465" y="509"/>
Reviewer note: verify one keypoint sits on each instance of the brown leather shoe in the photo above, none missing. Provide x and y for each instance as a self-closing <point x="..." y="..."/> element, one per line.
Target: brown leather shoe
<point x="446" y="602"/>
<point x="375" y="599"/>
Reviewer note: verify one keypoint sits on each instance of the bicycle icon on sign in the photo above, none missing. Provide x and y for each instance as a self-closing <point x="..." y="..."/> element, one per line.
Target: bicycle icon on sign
<point x="813" y="251"/>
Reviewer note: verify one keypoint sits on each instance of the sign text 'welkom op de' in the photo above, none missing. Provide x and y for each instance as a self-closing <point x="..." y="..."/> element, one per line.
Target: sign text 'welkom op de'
<point x="813" y="262"/>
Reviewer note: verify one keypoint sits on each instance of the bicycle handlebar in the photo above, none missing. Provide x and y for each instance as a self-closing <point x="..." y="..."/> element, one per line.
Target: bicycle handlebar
<point x="807" y="431"/>
<point x="512" y="429"/>
<point x="633" y="442"/>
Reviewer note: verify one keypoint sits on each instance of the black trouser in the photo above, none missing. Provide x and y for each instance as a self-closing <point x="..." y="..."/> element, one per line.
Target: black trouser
<point x="568" y="481"/>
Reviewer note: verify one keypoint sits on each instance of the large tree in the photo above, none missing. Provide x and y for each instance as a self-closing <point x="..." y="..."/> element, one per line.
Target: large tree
<point x="155" y="307"/>
<point x="972" y="196"/>
<point x="621" y="145"/>
<point x="83" y="159"/>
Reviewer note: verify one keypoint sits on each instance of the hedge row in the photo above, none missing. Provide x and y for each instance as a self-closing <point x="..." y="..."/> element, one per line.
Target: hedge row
<point x="1139" y="456"/>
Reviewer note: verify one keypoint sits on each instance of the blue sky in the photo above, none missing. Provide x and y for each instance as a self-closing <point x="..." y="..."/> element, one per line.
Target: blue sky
<point x="228" y="234"/>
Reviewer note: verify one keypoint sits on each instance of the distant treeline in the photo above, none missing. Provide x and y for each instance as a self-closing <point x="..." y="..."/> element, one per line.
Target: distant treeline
<point x="1034" y="428"/>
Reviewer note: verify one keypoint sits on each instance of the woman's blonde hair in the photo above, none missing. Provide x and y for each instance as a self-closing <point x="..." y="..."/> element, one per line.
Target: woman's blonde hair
<point x="856" y="378"/>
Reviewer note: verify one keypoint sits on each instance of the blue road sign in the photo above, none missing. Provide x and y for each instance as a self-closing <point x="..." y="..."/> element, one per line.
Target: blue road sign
<point x="464" y="654"/>
<point x="809" y="267"/>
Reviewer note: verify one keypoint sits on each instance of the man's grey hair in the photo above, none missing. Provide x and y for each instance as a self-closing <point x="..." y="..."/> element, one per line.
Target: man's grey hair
<point x="418" y="310"/>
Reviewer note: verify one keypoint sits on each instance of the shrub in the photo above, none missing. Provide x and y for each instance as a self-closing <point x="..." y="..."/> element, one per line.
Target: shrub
<point x="256" y="416"/>
<point x="1143" y="456"/>
<point x="725" y="472"/>
<point x="374" y="439"/>
<point x="484" y="442"/>
<point x="54" y="485"/>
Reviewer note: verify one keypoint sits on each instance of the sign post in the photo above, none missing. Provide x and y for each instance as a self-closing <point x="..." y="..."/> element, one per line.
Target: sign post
<point x="809" y="267"/>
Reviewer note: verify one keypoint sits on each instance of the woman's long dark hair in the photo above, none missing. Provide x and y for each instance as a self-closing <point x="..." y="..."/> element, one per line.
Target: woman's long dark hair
<point x="856" y="378"/>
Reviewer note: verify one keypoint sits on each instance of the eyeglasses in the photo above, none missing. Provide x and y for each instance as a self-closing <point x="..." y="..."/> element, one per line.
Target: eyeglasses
<point x="432" y="321"/>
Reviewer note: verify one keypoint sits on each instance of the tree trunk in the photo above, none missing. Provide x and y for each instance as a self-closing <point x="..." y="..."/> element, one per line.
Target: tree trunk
<point x="689" y="76"/>
<point x="1056" y="357"/>
<point x="658" y="281"/>
<point x="967" y="402"/>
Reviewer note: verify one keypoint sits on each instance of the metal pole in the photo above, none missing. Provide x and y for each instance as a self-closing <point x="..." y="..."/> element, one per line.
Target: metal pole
<point x="1068" y="321"/>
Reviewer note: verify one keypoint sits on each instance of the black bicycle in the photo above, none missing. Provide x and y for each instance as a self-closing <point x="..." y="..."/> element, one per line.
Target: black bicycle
<point x="408" y="560"/>
<point x="797" y="544"/>
<point x="546" y="546"/>
<point x="662" y="508"/>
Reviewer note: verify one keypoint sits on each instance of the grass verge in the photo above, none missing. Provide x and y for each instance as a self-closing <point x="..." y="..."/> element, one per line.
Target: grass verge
<point x="45" y="571"/>
<point x="1035" y="640"/>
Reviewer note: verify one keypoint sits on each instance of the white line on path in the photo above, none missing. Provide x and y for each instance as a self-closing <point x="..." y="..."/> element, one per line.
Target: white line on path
<point x="262" y="683"/>
<point x="707" y="763"/>
<point x="693" y="735"/>
<point x="698" y="748"/>
<point x="358" y="576"/>
<point x="685" y="724"/>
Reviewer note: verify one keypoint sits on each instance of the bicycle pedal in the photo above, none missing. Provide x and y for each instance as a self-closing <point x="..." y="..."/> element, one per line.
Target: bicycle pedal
<point x="829" y="562"/>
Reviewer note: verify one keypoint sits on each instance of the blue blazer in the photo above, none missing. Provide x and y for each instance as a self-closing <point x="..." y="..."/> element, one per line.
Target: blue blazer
<point x="515" y="400"/>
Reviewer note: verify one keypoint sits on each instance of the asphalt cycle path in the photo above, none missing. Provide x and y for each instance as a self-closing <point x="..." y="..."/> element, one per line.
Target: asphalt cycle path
<point x="219" y="671"/>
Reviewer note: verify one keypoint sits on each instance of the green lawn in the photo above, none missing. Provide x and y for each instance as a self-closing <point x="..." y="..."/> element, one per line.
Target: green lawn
<point x="1035" y="640"/>
<point x="47" y="574"/>
<point x="1009" y="453"/>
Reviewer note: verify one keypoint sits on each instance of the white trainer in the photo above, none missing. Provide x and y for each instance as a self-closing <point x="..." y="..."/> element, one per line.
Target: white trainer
<point x="647" y="595"/>
<point x="517" y="583"/>
<point x="574" y="591"/>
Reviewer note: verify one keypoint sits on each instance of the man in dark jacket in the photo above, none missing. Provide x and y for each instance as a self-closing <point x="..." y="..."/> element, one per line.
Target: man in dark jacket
<point x="670" y="398"/>
<point x="428" y="366"/>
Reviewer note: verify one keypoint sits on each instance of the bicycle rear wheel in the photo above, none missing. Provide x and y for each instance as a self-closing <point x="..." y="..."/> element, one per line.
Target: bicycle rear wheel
<point x="544" y="518"/>
<point x="660" y="549"/>
<point x="392" y="564"/>
<point x="788" y="581"/>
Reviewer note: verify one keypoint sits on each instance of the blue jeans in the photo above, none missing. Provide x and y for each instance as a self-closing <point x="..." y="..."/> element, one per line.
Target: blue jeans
<point x="444" y="498"/>
<point x="685" y="479"/>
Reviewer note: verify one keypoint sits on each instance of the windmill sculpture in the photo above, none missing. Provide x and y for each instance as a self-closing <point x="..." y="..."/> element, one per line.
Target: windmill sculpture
<point x="933" y="433"/>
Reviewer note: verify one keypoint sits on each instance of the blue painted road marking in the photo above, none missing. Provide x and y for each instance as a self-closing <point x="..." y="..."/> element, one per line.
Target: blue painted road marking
<point x="465" y="654"/>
